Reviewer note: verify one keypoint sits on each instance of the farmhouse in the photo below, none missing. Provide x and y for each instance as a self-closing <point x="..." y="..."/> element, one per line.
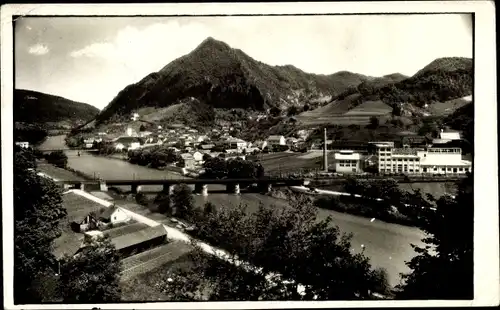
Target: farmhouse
<point x="276" y="140"/>
<point x="127" y="143"/>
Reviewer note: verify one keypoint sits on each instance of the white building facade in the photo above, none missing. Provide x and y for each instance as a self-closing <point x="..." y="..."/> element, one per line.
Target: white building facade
<point x="348" y="162"/>
<point x="420" y="161"/>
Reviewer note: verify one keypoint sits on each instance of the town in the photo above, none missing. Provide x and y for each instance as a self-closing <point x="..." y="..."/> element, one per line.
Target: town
<point x="172" y="166"/>
<point x="411" y="155"/>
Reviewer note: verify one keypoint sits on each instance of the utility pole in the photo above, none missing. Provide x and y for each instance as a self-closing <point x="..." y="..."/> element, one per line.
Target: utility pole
<point x="325" y="157"/>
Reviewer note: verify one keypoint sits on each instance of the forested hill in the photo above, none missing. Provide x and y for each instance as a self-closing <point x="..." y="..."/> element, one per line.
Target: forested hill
<point x="38" y="108"/>
<point x="442" y="80"/>
<point x="223" y="77"/>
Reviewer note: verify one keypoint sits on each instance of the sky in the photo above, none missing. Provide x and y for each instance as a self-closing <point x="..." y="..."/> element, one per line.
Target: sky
<point x="90" y="59"/>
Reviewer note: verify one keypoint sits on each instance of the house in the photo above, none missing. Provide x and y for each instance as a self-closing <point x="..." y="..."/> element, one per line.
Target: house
<point x="198" y="156"/>
<point x="449" y="135"/>
<point x="201" y="138"/>
<point x="130" y="132"/>
<point x="140" y="241"/>
<point x="207" y="146"/>
<point x="276" y="140"/>
<point x="192" y="130"/>
<point x="414" y="141"/>
<point x="143" y="134"/>
<point x="127" y="143"/>
<point x="23" y="145"/>
<point x="131" y="243"/>
<point x="189" y="161"/>
<point x="260" y="144"/>
<point x="347" y="161"/>
<point x="238" y="144"/>
<point x="113" y="215"/>
<point x="292" y="141"/>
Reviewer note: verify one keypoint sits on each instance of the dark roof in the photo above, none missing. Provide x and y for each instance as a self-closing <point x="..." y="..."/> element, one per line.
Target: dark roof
<point x="106" y="213"/>
<point x="138" y="237"/>
<point x="207" y="146"/>
<point x="127" y="140"/>
<point x="415" y="139"/>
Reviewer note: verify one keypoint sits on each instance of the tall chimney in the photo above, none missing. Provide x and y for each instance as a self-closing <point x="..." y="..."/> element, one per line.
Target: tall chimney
<point x="325" y="157"/>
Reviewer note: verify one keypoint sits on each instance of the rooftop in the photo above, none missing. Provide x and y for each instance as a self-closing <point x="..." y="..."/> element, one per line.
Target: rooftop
<point x="140" y="236"/>
<point x="352" y="156"/>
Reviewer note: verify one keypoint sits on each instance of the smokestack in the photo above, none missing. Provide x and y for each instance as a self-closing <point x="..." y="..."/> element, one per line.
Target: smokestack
<point x="325" y="158"/>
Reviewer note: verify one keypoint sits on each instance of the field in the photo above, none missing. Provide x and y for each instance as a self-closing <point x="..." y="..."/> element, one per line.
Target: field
<point x="340" y="112"/>
<point x="145" y="286"/>
<point x="448" y="107"/>
<point x="57" y="173"/>
<point x="292" y="162"/>
<point x="77" y="208"/>
<point x="152" y="259"/>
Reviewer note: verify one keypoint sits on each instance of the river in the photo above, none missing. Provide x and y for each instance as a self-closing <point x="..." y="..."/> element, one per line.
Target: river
<point x="387" y="245"/>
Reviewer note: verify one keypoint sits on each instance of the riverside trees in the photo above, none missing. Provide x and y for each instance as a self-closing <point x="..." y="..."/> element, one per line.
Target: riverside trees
<point x="443" y="269"/>
<point x="37" y="212"/>
<point x="291" y="251"/>
<point x="92" y="276"/>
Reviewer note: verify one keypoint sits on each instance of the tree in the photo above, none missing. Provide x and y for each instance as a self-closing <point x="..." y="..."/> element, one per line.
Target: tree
<point x="93" y="275"/>
<point x="38" y="210"/>
<point x="58" y="158"/>
<point x="293" y="110"/>
<point x="306" y="108"/>
<point x="163" y="202"/>
<point x="443" y="269"/>
<point x="288" y="248"/>
<point x="182" y="200"/>
<point x="208" y="209"/>
<point x="275" y="111"/>
<point x="374" y="122"/>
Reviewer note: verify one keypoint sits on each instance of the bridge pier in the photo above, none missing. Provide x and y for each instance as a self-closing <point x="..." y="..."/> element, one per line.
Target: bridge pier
<point x="200" y="188"/>
<point x="233" y="188"/>
<point x="135" y="188"/>
<point x="103" y="187"/>
<point x="265" y="187"/>
<point x="168" y="189"/>
<point x="80" y="186"/>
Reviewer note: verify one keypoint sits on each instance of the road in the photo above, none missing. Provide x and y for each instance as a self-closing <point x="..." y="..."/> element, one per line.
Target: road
<point x="387" y="245"/>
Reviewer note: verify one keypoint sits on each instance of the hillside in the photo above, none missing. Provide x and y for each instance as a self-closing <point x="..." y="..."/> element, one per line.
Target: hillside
<point x="438" y="89"/>
<point x="222" y="77"/>
<point x="51" y="111"/>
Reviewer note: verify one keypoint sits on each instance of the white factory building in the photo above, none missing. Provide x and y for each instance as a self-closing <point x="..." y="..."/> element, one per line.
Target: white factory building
<point x="347" y="161"/>
<point x="432" y="160"/>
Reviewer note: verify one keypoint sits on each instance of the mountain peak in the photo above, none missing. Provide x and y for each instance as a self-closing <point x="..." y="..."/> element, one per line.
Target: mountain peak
<point x="210" y="42"/>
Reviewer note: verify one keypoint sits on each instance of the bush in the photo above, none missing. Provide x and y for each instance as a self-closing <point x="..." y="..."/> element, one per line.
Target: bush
<point x="163" y="202"/>
<point x="182" y="201"/>
<point x="141" y="199"/>
<point x="58" y="159"/>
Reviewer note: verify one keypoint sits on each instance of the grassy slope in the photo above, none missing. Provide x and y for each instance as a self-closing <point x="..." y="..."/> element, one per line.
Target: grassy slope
<point x="441" y="84"/>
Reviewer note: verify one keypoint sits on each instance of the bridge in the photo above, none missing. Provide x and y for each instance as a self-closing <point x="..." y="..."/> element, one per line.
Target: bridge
<point x="201" y="185"/>
<point x="68" y="149"/>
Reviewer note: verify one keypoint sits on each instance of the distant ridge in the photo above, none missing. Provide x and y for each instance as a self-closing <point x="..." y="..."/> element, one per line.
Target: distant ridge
<point x="39" y="108"/>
